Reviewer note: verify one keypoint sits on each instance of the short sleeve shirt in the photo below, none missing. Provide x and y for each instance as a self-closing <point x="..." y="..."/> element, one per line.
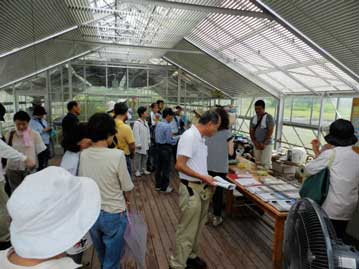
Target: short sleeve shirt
<point x="108" y="168"/>
<point x="218" y="151"/>
<point x="261" y="133"/>
<point x="31" y="152"/>
<point x="193" y="146"/>
<point x="124" y="136"/>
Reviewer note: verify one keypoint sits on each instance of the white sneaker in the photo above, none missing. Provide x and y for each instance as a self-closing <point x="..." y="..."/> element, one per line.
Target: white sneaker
<point x="217" y="221"/>
<point x="147" y="172"/>
<point x="168" y="190"/>
<point x="138" y="174"/>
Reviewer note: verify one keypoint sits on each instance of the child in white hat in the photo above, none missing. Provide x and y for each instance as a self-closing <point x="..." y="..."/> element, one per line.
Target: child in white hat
<point x="51" y="211"/>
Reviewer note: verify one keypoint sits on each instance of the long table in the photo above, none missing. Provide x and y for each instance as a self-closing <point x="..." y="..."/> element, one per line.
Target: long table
<point x="278" y="216"/>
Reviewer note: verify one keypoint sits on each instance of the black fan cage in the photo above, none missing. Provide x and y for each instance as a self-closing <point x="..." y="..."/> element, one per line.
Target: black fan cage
<point x="308" y="235"/>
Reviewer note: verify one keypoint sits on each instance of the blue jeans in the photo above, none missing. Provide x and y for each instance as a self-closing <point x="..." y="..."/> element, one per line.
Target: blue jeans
<point x="107" y="236"/>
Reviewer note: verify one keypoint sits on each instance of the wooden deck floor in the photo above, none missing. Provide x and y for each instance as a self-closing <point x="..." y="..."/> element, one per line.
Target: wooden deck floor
<point x="242" y="242"/>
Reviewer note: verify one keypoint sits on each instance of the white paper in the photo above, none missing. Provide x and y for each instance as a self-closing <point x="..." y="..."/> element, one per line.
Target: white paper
<point x="345" y="262"/>
<point x="227" y="186"/>
<point x="284" y="187"/>
<point x="281" y="205"/>
<point x="259" y="189"/>
<point x="220" y="182"/>
<point x="247" y="181"/>
<point x="272" y="181"/>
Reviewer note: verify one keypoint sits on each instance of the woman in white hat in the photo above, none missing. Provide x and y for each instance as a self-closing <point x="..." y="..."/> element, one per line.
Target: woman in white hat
<point x="51" y="211"/>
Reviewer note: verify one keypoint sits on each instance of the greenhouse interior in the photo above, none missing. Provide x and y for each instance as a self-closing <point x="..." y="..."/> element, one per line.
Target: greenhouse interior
<point x="300" y="57"/>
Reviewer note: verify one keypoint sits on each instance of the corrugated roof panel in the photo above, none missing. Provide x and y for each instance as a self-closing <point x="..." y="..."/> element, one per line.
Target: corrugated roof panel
<point x="333" y="25"/>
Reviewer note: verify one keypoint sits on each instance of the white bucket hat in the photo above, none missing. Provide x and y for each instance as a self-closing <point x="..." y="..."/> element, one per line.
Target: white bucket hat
<point x="51" y="211"/>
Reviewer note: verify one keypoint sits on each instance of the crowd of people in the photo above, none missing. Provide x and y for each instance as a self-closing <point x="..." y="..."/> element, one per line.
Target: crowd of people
<point x="92" y="190"/>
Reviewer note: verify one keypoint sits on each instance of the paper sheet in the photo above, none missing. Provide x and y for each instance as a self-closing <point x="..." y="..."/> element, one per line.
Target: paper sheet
<point x="247" y="182"/>
<point x="220" y="182"/>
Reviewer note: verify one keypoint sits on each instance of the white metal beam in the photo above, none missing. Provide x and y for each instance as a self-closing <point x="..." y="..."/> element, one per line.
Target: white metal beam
<point x="307" y="40"/>
<point x="195" y="76"/>
<point x="293" y="66"/>
<point x="119" y="45"/>
<point x="49" y="37"/>
<point x="279" y="125"/>
<point x="243" y="71"/>
<point x="182" y="6"/>
<point x="48" y="67"/>
<point x="279" y="68"/>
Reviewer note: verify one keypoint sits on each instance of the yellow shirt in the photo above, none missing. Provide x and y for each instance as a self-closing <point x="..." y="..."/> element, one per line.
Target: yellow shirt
<point x="124" y="136"/>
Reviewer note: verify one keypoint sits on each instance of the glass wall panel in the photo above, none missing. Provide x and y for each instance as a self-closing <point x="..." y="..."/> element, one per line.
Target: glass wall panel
<point x="96" y="75"/>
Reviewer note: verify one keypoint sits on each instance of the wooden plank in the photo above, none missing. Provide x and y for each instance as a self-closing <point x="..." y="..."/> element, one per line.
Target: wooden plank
<point x="153" y="231"/>
<point x="151" y="258"/>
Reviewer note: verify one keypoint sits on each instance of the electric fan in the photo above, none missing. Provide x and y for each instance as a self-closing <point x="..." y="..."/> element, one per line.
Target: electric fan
<point x="310" y="240"/>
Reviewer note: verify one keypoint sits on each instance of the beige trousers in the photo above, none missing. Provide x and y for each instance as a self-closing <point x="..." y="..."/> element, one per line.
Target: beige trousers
<point x="264" y="157"/>
<point x="4" y="217"/>
<point x="194" y="213"/>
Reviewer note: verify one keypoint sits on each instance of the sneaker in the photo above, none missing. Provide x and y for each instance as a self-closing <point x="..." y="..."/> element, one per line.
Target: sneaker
<point x="138" y="174"/>
<point x="196" y="263"/>
<point x="168" y="190"/>
<point x="147" y="172"/>
<point x="209" y="218"/>
<point x="216" y="221"/>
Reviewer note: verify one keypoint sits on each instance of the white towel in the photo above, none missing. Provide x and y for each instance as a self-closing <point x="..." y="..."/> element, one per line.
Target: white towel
<point x="263" y="122"/>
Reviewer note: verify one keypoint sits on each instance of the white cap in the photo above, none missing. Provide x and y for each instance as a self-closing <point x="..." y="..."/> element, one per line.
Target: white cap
<point x="122" y="100"/>
<point x="51" y="211"/>
<point x="110" y="106"/>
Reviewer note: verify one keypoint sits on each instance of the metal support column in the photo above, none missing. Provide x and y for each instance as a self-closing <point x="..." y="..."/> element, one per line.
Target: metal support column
<point x="321" y="113"/>
<point x="248" y="110"/>
<point x="106" y="74"/>
<point x="185" y="98"/>
<point x="167" y="84"/>
<point x="70" y="81"/>
<point x="85" y="93"/>
<point x="279" y="125"/>
<point x="179" y="87"/>
<point x="16" y="100"/>
<point x="48" y="97"/>
<point x="62" y="89"/>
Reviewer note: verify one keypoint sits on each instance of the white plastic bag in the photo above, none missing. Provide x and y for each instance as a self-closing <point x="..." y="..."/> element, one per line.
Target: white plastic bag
<point x="136" y="239"/>
<point x="70" y="162"/>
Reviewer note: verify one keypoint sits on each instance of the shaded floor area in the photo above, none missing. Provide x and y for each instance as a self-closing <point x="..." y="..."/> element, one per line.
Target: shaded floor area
<point x="242" y="241"/>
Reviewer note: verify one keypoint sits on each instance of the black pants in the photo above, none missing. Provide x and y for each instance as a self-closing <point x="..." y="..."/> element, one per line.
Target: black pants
<point x="340" y="226"/>
<point x="4" y="245"/>
<point x="129" y="166"/>
<point x="174" y="152"/>
<point x="163" y="168"/>
<point x="43" y="158"/>
<point x="152" y="156"/>
<point x="217" y="200"/>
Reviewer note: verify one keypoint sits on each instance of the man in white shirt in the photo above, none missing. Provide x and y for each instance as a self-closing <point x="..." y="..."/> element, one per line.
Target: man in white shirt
<point x="195" y="191"/>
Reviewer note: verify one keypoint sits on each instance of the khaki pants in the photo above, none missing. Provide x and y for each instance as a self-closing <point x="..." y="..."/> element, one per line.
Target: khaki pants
<point x="4" y="217"/>
<point x="194" y="212"/>
<point x="264" y="157"/>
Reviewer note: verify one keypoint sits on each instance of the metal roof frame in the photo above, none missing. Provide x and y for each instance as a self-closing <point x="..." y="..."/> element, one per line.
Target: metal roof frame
<point x="307" y="40"/>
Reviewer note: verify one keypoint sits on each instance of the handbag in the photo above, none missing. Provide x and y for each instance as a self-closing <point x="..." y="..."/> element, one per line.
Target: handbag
<point x="316" y="186"/>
